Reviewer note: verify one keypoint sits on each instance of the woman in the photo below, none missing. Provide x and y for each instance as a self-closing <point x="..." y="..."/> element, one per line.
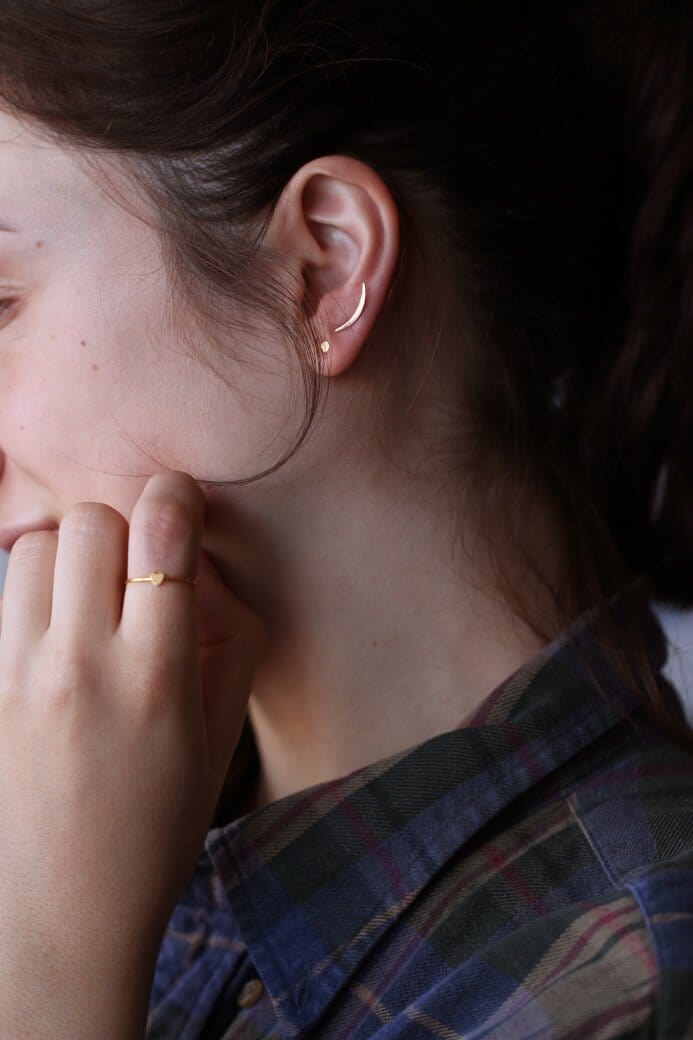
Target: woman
<point x="377" y="333"/>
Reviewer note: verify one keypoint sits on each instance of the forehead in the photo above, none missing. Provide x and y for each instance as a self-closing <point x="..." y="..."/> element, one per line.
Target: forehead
<point x="44" y="190"/>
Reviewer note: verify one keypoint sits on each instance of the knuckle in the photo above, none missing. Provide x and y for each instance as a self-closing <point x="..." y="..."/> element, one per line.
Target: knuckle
<point x="148" y="673"/>
<point x="12" y="685"/>
<point x="150" y="689"/>
<point x="70" y="670"/>
<point x="58" y="695"/>
<point x="156" y="699"/>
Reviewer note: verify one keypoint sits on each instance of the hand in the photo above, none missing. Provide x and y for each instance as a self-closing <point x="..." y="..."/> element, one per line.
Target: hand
<point x="119" y="712"/>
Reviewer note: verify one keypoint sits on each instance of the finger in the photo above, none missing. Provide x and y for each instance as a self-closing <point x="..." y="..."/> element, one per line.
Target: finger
<point x="89" y="567"/>
<point x="28" y="591"/>
<point x="159" y="622"/>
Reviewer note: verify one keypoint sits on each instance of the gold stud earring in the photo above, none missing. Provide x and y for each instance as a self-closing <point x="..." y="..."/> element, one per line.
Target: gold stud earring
<point x="325" y="346"/>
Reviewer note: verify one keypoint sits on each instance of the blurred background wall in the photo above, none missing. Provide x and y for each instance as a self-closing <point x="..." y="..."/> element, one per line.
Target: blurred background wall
<point x="678" y="625"/>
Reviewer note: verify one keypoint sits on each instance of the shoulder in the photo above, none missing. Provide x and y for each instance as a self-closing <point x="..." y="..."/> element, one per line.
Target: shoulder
<point x="583" y="925"/>
<point x="664" y="893"/>
<point x="619" y="965"/>
<point x="635" y="806"/>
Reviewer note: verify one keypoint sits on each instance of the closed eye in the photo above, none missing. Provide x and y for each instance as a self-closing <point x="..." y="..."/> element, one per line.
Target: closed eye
<point x="6" y="306"/>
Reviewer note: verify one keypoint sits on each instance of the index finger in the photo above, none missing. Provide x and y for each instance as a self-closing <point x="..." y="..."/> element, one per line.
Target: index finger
<point x="159" y="617"/>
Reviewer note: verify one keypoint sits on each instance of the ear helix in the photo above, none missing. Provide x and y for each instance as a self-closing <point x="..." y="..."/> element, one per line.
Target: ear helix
<point x="325" y="346"/>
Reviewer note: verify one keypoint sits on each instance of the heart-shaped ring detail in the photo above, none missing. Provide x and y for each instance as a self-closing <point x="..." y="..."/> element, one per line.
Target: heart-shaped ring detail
<point x="157" y="577"/>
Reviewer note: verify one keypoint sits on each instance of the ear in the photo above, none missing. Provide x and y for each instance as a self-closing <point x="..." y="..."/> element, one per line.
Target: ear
<point x="338" y="223"/>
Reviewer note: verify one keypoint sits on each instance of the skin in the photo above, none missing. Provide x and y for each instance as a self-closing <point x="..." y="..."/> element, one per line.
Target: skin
<point x="117" y="728"/>
<point x="378" y="636"/>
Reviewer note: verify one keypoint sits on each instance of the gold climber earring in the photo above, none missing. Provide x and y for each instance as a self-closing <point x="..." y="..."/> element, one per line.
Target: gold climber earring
<point x="357" y="313"/>
<point x="325" y="346"/>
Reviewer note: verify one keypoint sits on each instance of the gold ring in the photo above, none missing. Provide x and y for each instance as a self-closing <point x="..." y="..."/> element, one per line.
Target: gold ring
<point x="158" y="578"/>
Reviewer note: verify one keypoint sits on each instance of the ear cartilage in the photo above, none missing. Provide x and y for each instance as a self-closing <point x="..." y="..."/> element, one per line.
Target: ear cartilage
<point x="357" y="313"/>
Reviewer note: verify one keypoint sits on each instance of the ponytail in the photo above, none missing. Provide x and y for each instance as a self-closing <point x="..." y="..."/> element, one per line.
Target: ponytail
<point x="643" y="409"/>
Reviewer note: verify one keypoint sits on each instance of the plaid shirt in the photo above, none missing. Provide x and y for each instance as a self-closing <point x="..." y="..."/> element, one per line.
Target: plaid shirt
<point x="527" y="874"/>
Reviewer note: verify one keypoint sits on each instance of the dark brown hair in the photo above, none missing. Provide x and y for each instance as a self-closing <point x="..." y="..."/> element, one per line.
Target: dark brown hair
<point x="546" y="149"/>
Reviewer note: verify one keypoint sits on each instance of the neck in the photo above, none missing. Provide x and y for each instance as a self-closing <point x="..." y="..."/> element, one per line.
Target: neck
<point x="375" y="642"/>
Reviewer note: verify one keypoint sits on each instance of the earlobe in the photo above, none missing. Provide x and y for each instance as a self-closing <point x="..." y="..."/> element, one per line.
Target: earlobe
<point x="339" y="223"/>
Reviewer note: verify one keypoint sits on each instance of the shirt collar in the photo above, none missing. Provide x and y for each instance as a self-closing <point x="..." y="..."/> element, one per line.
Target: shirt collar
<point x="316" y="878"/>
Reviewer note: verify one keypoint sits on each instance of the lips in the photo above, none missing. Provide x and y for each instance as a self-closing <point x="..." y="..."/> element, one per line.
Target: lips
<point x="10" y="534"/>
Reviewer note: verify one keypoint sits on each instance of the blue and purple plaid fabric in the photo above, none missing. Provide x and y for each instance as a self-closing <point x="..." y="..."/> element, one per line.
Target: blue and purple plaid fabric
<point x="528" y="874"/>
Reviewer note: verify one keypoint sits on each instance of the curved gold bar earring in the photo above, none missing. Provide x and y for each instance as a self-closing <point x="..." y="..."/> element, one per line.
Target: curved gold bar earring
<point x="325" y="346"/>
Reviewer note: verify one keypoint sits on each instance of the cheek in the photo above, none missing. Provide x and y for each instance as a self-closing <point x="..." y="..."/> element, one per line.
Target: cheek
<point x="96" y="393"/>
<point x="57" y="388"/>
<point x="51" y="416"/>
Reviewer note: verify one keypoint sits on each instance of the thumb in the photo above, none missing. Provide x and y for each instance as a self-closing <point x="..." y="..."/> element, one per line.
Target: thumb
<point x="230" y="641"/>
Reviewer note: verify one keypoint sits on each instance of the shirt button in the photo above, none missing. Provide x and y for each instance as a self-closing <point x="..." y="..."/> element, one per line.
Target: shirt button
<point x="251" y="993"/>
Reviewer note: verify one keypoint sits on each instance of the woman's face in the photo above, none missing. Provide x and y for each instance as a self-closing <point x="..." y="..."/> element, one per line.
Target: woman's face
<point x="97" y="389"/>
